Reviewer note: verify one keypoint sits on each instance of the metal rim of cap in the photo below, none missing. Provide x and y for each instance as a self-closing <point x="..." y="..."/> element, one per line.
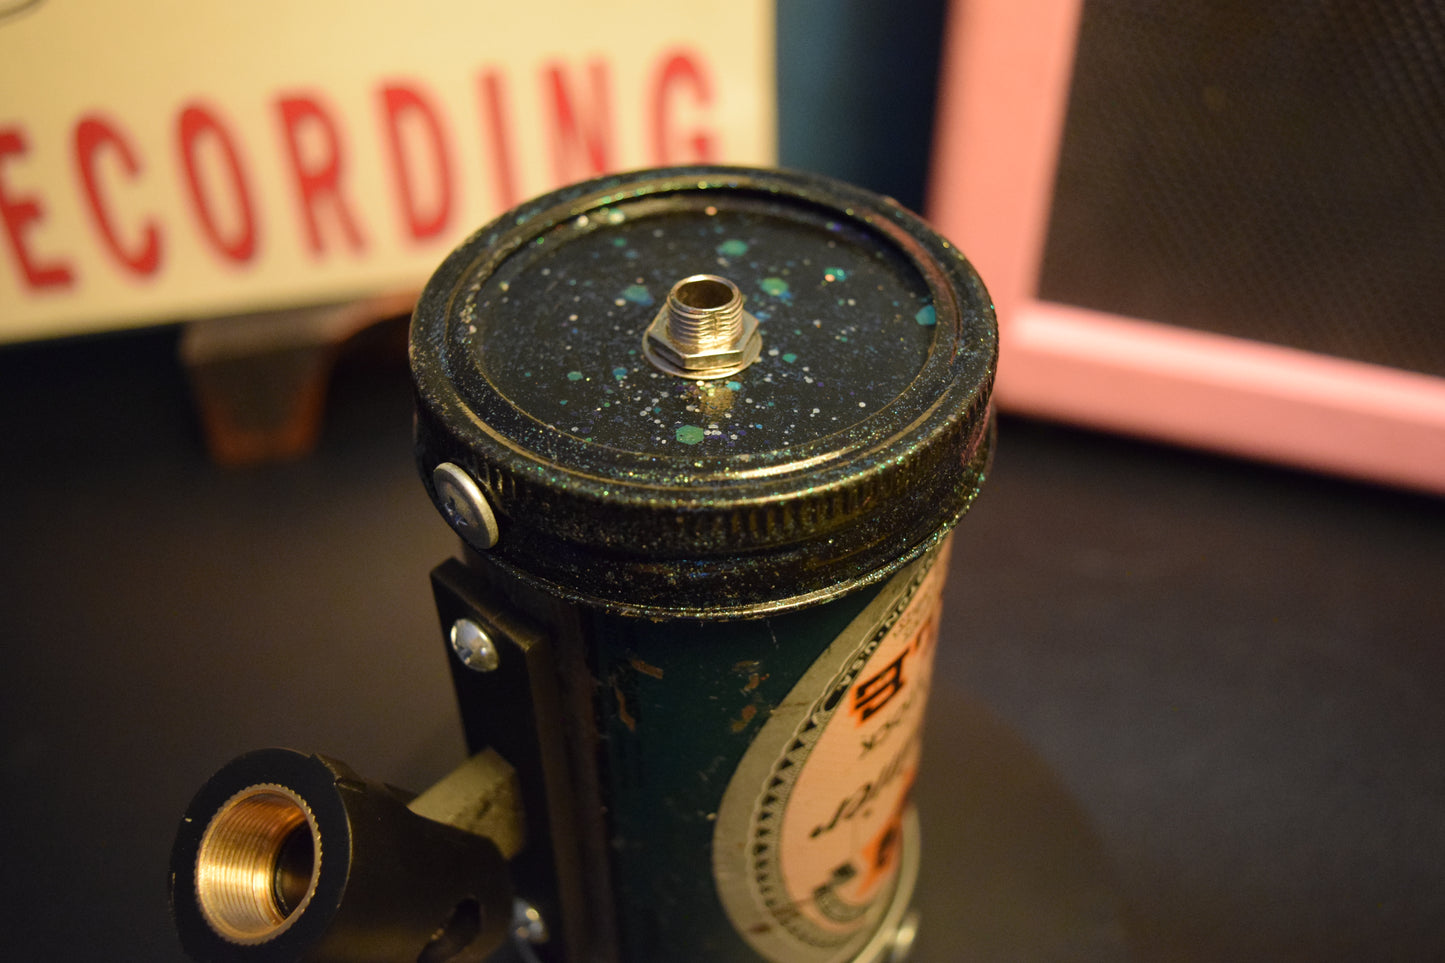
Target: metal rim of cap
<point x="713" y="537"/>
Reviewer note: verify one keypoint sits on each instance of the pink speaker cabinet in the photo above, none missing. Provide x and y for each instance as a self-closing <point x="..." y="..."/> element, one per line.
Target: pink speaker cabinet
<point x="1219" y="222"/>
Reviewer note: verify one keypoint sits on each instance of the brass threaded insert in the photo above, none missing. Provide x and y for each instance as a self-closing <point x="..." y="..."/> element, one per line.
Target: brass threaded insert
<point x="258" y="864"/>
<point x="702" y="331"/>
<point x="705" y="313"/>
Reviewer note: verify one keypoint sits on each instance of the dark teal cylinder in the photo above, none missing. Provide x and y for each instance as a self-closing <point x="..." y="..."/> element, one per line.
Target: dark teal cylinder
<point x="738" y="576"/>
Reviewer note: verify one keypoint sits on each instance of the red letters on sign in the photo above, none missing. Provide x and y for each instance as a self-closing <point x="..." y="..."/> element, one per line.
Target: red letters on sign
<point x="410" y="143"/>
<point x="317" y="168"/>
<point x="19" y="215"/>
<point x="197" y="126"/>
<point x="680" y="70"/>
<point x="580" y="130"/>
<point x="494" y="107"/>
<point x="400" y="103"/>
<point x="93" y="135"/>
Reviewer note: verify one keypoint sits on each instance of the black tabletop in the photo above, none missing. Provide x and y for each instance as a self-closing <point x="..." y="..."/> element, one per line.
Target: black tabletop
<point x="1186" y="708"/>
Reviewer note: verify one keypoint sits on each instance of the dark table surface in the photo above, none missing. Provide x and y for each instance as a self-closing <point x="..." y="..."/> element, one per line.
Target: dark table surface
<point x="1187" y="709"/>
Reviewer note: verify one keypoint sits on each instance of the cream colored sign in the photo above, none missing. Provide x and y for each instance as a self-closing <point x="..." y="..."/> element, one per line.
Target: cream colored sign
<point x="810" y="831"/>
<point x="173" y="159"/>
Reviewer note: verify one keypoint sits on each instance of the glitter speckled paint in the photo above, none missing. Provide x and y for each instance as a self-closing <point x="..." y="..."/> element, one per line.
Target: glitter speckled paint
<point x="868" y="322"/>
<point x="815" y="370"/>
<point x="712" y="558"/>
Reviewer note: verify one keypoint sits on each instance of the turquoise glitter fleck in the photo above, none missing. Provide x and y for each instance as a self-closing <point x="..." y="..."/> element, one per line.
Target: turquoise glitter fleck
<point x="690" y="434"/>
<point x="776" y="287"/>
<point x="637" y="294"/>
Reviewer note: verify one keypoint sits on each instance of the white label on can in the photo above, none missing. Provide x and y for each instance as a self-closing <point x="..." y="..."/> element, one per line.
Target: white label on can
<point x="807" y="845"/>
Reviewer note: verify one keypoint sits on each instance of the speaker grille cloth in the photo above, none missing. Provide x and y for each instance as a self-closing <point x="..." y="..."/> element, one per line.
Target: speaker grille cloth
<point x="1274" y="171"/>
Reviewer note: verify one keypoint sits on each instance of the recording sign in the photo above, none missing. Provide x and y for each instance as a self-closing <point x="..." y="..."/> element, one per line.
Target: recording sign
<point x="163" y="161"/>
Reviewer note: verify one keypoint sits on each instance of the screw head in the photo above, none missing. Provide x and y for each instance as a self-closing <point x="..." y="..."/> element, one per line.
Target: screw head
<point x="464" y="506"/>
<point x="474" y="647"/>
<point x="904" y="938"/>
<point x="527" y="923"/>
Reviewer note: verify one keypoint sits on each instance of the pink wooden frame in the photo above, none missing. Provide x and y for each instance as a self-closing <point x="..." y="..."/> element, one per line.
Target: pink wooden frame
<point x="1002" y="100"/>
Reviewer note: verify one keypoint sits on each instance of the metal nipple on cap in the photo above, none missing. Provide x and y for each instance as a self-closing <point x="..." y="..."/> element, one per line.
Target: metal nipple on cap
<point x="702" y="331"/>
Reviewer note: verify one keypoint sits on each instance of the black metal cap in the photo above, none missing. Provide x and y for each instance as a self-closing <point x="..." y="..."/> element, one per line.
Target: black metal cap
<point x="853" y="444"/>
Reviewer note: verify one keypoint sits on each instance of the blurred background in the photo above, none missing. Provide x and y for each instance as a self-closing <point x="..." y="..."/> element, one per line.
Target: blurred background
<point x="1188" y="707"/>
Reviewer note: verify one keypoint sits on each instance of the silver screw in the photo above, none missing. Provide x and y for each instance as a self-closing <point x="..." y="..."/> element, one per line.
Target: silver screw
<point x="464" y="506"/>
<point x="527" y="923"/>
<point x="474" y="646"/>
<point x="702" y="331"/>
<point x="904" y="938"/>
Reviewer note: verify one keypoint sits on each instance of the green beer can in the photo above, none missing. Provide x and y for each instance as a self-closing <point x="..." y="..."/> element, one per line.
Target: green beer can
<point x="705" y="433"/>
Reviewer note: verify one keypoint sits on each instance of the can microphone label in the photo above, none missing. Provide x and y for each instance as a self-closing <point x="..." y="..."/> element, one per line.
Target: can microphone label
<point x="809" y="834"/>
